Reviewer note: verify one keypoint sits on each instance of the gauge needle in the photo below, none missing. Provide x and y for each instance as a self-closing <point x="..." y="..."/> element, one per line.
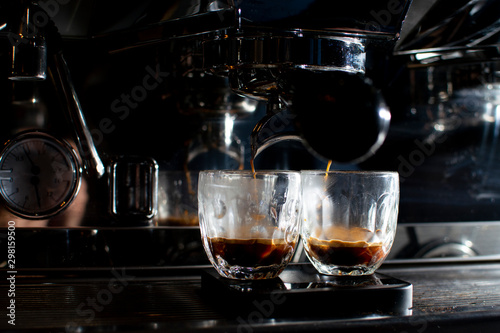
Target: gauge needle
<point x="35" y="169"/>
<point x="35" y="180"/>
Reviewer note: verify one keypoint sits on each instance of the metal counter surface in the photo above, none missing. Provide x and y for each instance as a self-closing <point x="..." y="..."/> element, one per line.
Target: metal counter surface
<point x="456" y="297"/>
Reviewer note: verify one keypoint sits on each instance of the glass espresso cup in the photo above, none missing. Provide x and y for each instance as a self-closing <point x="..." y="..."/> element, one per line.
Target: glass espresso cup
<point x="349" y="219"/>
<point x="178" y="198"/>
<point x="249" y="222"/>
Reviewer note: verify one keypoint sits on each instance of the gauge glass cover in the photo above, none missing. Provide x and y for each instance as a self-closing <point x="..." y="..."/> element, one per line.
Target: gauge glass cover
<point x="39" y="175"/>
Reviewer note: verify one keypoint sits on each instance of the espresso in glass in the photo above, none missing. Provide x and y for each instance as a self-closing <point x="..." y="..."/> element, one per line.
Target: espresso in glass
<point x="349" y="219"/>
<point x="249" y="221"/>
<point x="251" y="252"/>
<point x="342" y="253"/>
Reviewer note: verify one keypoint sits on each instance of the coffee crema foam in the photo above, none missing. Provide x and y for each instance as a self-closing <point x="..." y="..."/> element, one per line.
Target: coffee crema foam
<point x="341" y="253"/>
<point x="341" y="233"/>
<point x="346" y="247"/>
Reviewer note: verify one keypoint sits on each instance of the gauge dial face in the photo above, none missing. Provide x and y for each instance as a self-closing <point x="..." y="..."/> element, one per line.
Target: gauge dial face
<point x="39" y="175"/>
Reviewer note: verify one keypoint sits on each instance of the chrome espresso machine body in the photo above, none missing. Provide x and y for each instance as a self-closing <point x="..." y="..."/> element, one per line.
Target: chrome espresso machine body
<point x="109" y="109"/>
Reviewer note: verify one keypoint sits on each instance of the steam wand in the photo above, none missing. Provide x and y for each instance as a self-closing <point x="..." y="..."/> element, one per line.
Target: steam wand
<point x="29" y="62"/>
<point x="86" y="147"/>
<point x="132" y="181"/>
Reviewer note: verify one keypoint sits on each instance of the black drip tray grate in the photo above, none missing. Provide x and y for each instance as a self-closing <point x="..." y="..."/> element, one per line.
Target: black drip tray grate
<point x="301" y="292"/>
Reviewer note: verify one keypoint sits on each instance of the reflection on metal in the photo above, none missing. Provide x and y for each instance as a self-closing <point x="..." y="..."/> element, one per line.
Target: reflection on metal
<point x="133" y="186"/>
<point x="86" y="147"/>
<point x="29" y="53"/>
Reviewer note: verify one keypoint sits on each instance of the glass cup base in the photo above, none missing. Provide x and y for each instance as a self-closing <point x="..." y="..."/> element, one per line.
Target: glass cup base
<point x="236" y="272"/>
<point x="245" y="273"/>
<point x="344" y="270"/>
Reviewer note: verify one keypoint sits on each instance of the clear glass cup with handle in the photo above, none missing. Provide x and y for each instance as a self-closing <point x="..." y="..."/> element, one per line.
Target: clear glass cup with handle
<point x="249" y="223"/>
<point x="349" y="219"/>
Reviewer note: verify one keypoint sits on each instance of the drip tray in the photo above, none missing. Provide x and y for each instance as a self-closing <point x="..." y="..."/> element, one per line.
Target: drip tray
<point x="301" y="292"/>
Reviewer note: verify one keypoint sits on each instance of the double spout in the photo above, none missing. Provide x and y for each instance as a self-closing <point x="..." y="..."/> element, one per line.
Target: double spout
<point x="338" y="115"/>
<point x="310" y="64"/>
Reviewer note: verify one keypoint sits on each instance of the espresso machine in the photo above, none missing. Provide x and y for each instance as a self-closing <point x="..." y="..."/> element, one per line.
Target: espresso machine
<point x="110" y="109"/>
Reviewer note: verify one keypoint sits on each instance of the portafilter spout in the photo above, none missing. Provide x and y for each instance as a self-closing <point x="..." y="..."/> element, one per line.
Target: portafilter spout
<point x="339" y="116"/>
<point x="268" y="130"/>
<point x="315" y="56"/>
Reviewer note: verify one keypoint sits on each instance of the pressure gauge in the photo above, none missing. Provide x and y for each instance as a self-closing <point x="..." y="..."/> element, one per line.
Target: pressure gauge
<point x="39" y="175"/>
